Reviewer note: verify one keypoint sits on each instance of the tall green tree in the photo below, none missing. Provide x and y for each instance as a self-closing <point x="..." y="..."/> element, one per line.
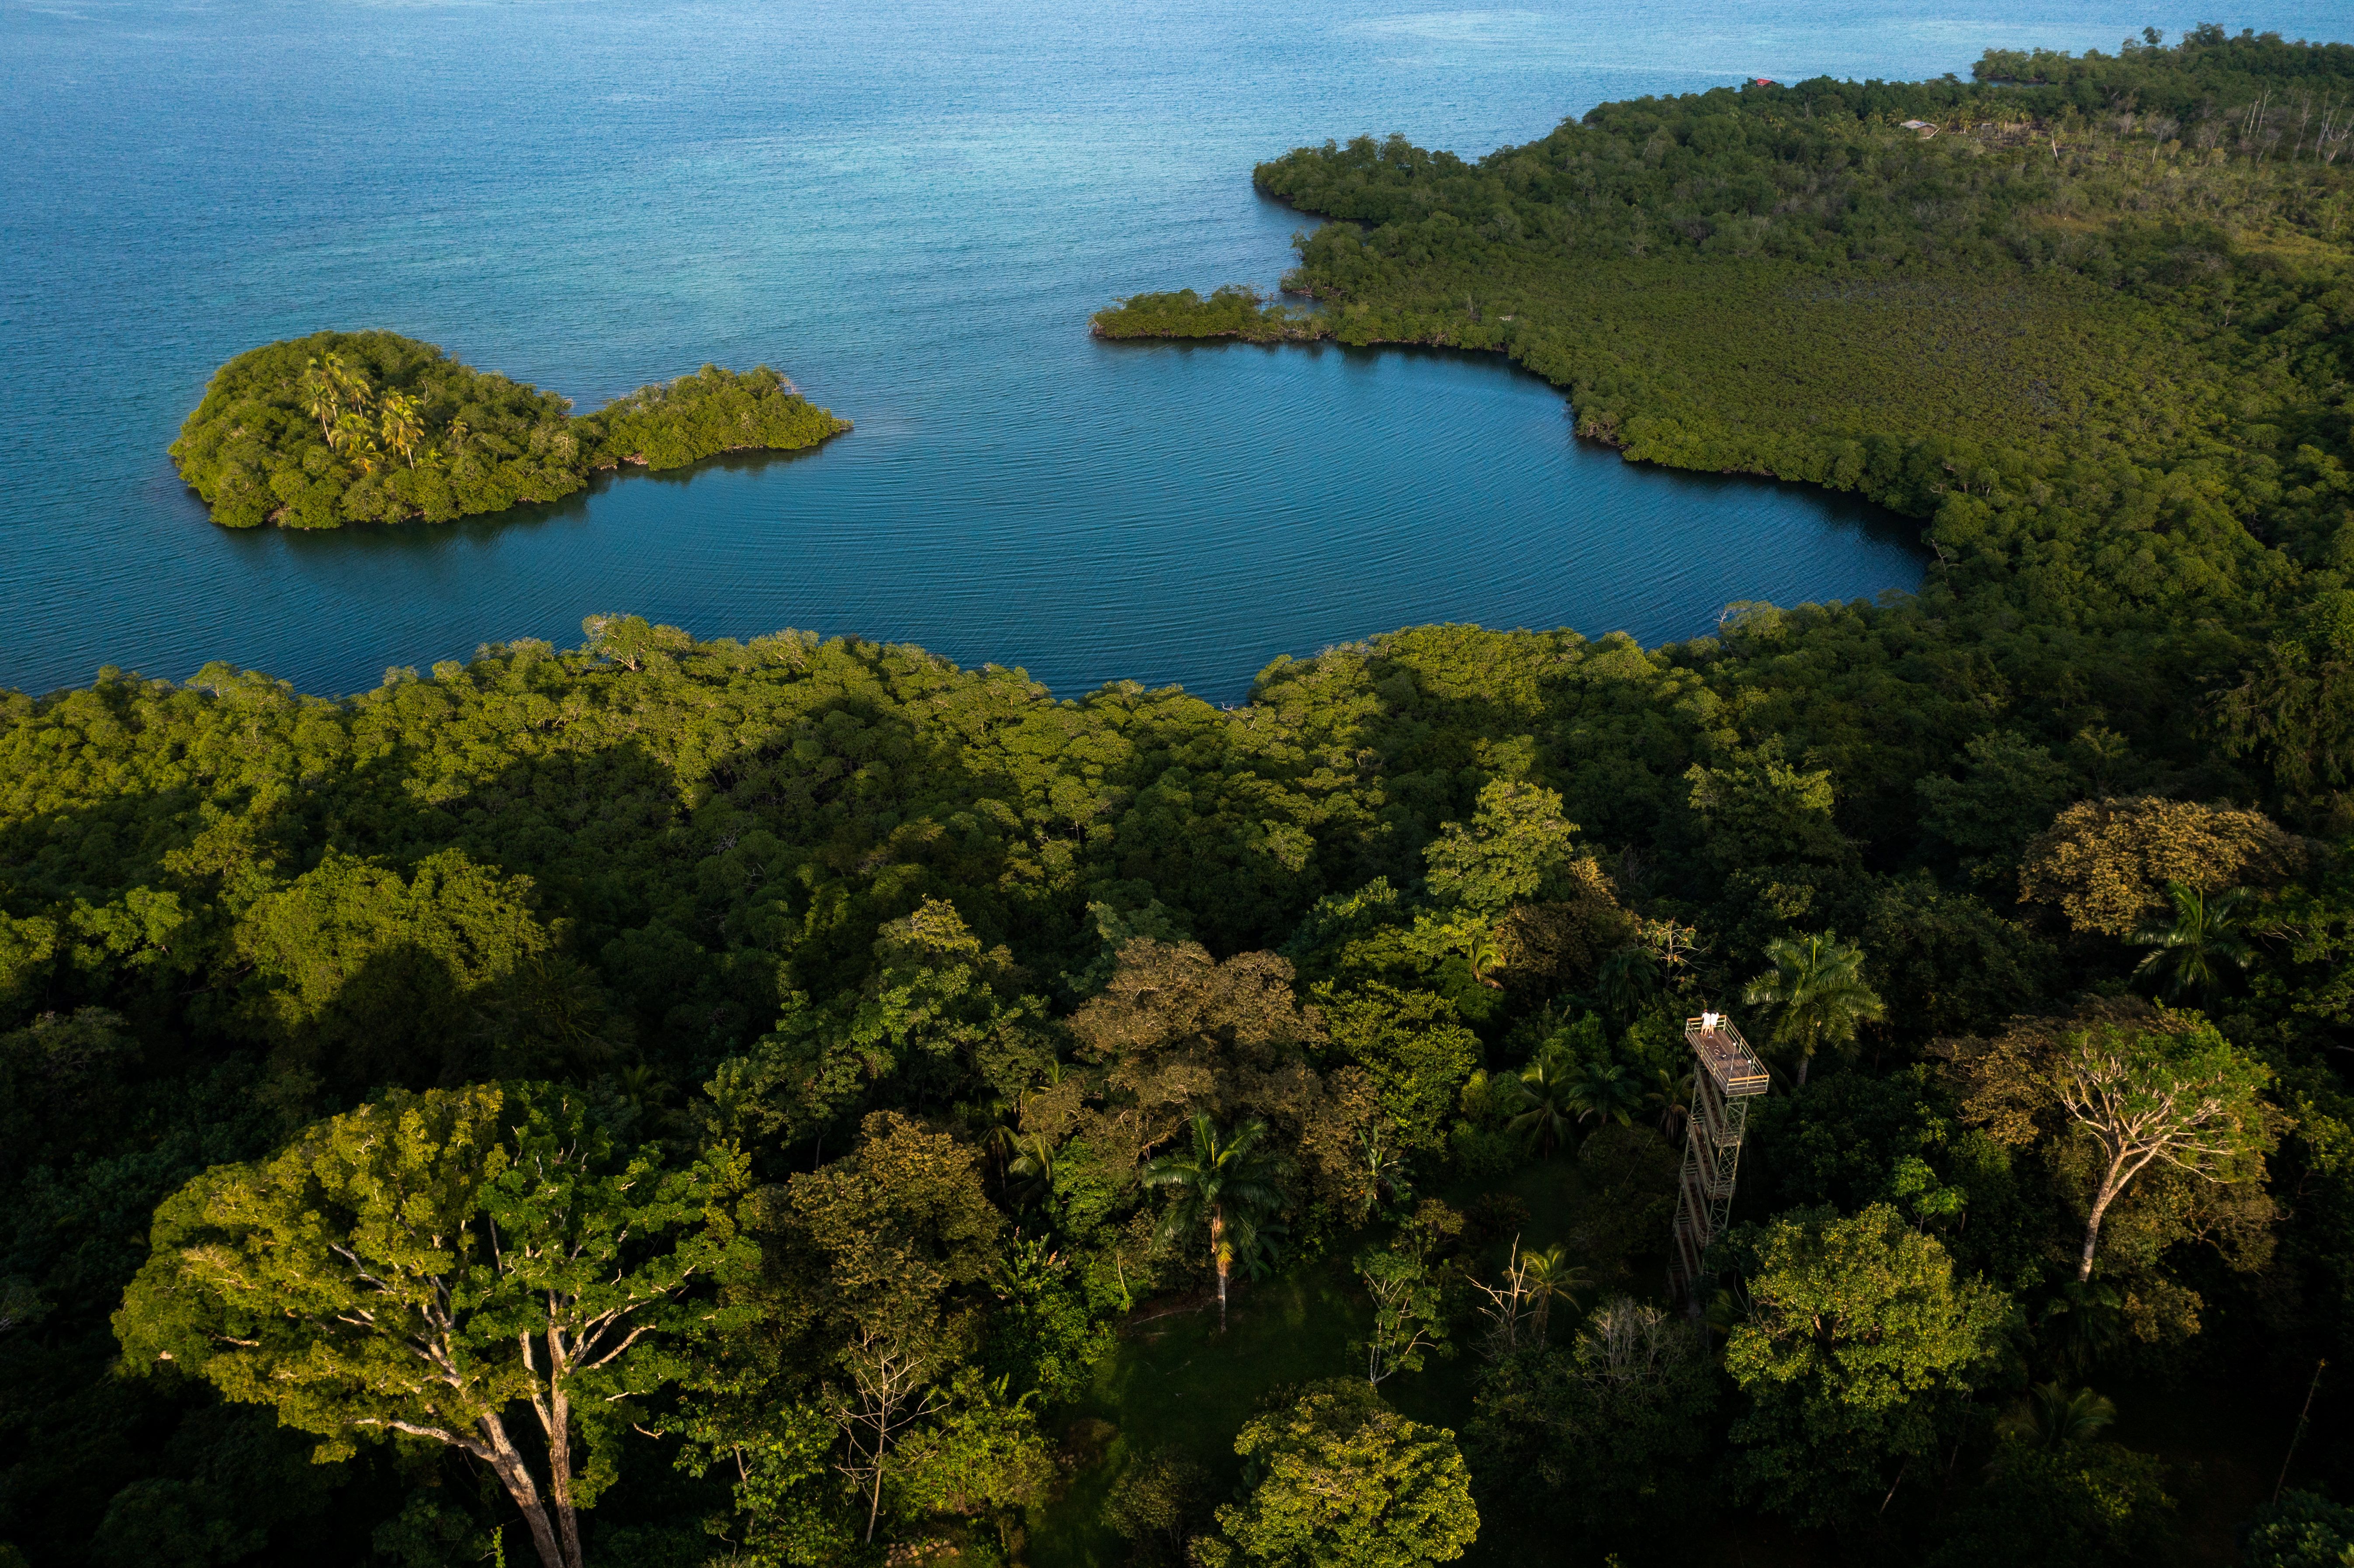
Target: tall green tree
<point x="2152" y="1129"/>
<point x="984" y="1457"/>
<point x="426" y="1265"/>
<point x="2299" y="1529"/>
<point x="1343" y="1481"/>
<point x="2295" y="705"/>
<point x="1514" y="843"/>
<point x="1816" y="995"/>
<point x="1157" y="1505"/>
<point x="1542" y="1100"/>
<point x="2006" y="796"/>
<point x="832" y="1368"/>
<point x="884" y="1240"/>
<point x="1410" y="1311"/>
<point x="2195" y="948"/>
<point x="1414" y="1045"/>
<point x="1224" y="1183"/>
<point x="2080" y="1505"/>
<point x="1860" y="1346"/>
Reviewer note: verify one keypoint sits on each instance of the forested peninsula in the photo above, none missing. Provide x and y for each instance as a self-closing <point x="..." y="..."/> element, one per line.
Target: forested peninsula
<point x="372" y="427"/>
<point x="797" y="1101"/>
<point x="1995" y="301"/>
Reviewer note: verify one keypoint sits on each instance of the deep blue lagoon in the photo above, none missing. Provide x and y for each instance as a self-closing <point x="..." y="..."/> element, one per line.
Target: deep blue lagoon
<point x="911" y="209"/>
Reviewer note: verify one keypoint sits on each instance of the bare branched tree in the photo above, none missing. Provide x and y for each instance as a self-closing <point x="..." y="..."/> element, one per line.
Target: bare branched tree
<point x="1625" y="1341"/>
<point x="891" y="1373"/>
<point x="2189" y="1102"/>
<point x="1510" y="1311"/>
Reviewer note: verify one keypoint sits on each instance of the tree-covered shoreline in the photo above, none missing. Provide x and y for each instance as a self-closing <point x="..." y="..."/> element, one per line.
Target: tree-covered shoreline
<point x="340" y="428"/>
<point x="1786" y="279"/>
<point x="797" y="1101"/>
<point x="1234" y="311"/>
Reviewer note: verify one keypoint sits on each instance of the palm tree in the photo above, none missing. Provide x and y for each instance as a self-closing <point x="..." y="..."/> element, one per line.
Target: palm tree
<point x="1627" y="980"/>
<point x="1001" y="1140"/>
<point x="2196" y="949"/>
<point x="1225" y="1182"/>
<point x="1545" y="1275"/>
<point x="1258" y="1253"/>
<point x="1004" y="1140"/>
<point x="354" y="437"/>
<point x="350" y="385"/>
<point x="1481" y="951"/>
<point x="2084" y="1323"/>
<point x="1600" y="1091"/>
<point x="1381" y="1168"/>
<point x="1540" y="1094"/>
<point x="1033" y="1165"/>
<point x="641" y="1086"/>
<point x="1729" y="1308"/>
<point x="403" y="426"/>
<point x="322" y="397"/>
<point x="1672" y="1093"/>
<point x="1818" y="994"/>
<point x="2054" y="1417"/>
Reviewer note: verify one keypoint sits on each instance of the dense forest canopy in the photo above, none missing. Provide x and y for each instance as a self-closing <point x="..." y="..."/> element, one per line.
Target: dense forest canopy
<point x="371" y="426"/>
<point x="2034" y="301"/>
<point x="675" y="1101"/>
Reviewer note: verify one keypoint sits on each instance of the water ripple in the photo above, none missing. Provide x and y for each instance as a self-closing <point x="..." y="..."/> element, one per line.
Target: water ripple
<point x="911" y="207"/>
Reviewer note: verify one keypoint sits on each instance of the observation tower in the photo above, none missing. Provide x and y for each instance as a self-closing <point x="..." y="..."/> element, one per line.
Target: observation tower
<point x="1729" y="1076"/>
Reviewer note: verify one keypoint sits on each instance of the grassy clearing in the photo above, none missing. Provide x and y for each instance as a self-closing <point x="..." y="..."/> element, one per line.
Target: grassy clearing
<point x="1176" y="1382"/>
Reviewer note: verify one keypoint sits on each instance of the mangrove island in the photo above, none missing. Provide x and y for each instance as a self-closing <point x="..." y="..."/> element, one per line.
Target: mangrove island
<point x="1873" y="1083"/>
<point x="371" y="426"/>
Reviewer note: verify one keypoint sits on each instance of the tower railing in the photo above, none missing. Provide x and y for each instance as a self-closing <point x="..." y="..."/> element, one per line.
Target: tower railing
<point x="1729" y="1076"/>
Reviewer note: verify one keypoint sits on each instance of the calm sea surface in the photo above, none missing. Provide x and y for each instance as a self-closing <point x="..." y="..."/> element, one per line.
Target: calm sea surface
<point x="909" y="207"/>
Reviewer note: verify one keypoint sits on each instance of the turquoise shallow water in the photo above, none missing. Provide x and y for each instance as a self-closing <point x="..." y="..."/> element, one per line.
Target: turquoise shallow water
<point x="910" y="207"/>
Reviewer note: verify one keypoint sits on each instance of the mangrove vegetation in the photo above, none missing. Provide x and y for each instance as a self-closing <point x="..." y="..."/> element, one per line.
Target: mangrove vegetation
<point x="371" y="426"/>
<point x="797" y="1101"/>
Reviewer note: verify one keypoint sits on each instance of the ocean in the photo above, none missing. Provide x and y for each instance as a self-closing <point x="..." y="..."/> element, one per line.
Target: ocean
<point x="910" y="208"/>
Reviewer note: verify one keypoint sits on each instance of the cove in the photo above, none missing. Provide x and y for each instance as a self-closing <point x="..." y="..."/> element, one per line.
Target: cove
<point x="909" y="209"/>
<point x="1355" y="492"/>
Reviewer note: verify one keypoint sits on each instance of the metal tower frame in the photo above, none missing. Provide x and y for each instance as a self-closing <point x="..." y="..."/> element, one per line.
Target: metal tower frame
<point x="1728" y="1077"/>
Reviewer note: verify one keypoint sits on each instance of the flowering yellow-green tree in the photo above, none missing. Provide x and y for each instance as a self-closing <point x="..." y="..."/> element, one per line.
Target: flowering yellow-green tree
<point x="1861" y="1344"/>
<point x="1343" y="1481"/>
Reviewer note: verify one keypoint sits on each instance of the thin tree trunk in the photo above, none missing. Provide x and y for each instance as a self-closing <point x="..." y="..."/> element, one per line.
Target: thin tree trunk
<point x="560" y="1471"/>
<point x="2109" y="1186"/>
<point x="516" y="1476"/>
<point x="881" y="1435"/>
<point x="1218" y="1257"/>
<point x="1805" y="1062"/>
